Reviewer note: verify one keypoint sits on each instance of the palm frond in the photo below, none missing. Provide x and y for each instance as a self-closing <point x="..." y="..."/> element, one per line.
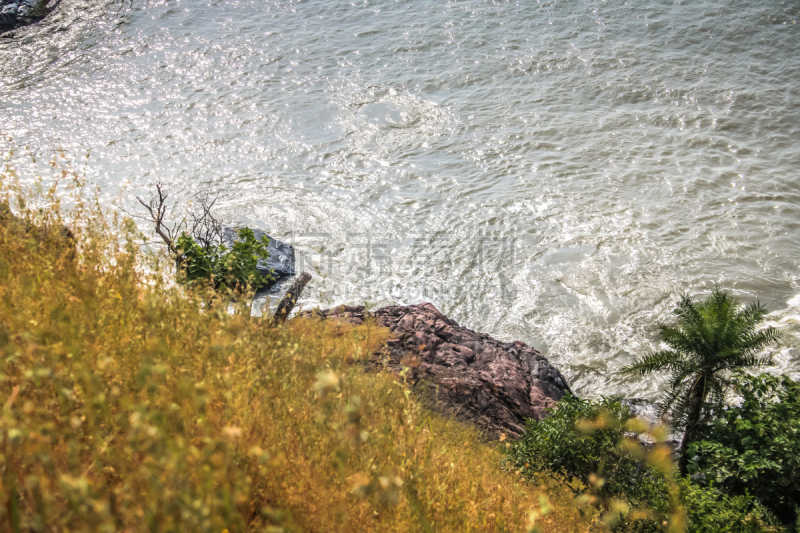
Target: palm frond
<point x="679" y="390"/>
<point x="653" y="362"/>
<point x="667" y="401"/>
<point x="756" y="341"/>
<point x="752" y="315"/>
<point x="688" y="311"/>
<point x="717" y="386"/>
<point x="677" y="339"/>
<point x="745" y="361"/>
<point x="681" y="373"/>
<point x="682" y="407"/>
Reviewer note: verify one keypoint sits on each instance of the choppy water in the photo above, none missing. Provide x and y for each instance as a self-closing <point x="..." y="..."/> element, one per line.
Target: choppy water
<point x="555" y="172"/>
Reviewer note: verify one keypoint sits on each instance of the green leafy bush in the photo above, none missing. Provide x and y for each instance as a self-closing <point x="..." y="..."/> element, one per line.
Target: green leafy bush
<point x="710" y="511"/>
<point x="755" y="448"/>
<point x="580" y="441"/>
<point x="233" y="267"/>
<point x="587" y="444"/>
<point x="583" y="443"/>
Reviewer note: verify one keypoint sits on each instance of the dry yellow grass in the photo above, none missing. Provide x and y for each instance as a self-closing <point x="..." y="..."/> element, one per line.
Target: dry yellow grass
<point x="128" y="406"/>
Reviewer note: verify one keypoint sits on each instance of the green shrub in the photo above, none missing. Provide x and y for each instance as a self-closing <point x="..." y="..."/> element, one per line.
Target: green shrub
<point x="710" y="511"/>
<point x="755" y="448"/>
<point x="234" y="267"/>
<point x="583" y="443"/>
<point x="580" y="441"/>
<point x="587" y="444"/>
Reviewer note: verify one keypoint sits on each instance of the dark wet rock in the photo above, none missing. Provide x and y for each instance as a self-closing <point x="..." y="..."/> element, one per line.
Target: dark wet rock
<point x="644" y="409"/>
<point x="281" y="261"/>
<point x="649" y="412"/>
<point x="472" y="376"/>
<point x="17" y="13"/>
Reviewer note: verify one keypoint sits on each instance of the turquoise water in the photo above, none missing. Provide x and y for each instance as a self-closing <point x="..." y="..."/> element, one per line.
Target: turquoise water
<point x="555" y="172"/>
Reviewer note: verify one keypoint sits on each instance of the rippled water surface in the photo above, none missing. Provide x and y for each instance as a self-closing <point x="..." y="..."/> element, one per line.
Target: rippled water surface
<point x="555" y="172"/>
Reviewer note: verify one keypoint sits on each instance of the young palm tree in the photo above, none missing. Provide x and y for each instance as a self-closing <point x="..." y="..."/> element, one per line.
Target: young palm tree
<point x="712" y="338"/>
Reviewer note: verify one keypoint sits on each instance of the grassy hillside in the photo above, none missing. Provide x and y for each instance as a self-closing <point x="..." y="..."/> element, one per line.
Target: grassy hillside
<point x="129" y="405"/>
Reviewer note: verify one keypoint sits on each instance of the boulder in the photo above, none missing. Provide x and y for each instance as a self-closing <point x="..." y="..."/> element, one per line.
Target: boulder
<point x="476" y="378"/>
<point x="16" y="13"/>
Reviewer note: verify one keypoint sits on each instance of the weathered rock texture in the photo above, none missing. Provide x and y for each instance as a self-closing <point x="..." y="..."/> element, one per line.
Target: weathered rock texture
<point x="16" y="13"/>
<point x="477" y="378"/>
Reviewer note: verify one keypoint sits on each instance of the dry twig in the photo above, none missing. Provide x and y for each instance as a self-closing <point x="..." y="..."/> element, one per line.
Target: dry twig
<point x="157" y="208"/>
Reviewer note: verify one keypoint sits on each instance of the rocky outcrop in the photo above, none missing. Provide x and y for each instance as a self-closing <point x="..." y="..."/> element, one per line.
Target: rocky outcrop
<point x="472" y="376"/>
<point x="16" y="13"/>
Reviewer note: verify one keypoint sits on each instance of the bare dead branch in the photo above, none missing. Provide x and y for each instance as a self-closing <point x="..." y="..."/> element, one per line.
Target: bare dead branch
<point x="157" y="210"/>
<point x="206" y="228"/>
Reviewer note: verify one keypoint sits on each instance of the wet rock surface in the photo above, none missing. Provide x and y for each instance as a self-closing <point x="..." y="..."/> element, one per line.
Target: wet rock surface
<point x="495" y="385"/>
<point x="17" y="13"/>
<point x="649" y="412"/>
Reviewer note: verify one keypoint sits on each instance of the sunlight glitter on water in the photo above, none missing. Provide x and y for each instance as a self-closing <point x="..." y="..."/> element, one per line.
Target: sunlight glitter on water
<point x="554" y="172"/>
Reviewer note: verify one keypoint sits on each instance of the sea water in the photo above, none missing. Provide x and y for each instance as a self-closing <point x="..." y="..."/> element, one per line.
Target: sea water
<point x="557" y="172"/>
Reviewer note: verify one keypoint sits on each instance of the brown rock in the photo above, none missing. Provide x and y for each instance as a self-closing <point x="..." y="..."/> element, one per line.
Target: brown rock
<point x="470" y="375"/>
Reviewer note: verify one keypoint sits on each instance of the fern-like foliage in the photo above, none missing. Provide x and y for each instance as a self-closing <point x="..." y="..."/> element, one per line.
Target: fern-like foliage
<point x="711" y="339"/>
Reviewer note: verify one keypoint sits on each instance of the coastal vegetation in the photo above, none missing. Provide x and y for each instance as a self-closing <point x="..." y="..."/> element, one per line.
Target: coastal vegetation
<point x="127" y="404"/>
<point x="744" y="460"/>
<point x="583" y="442"/>
<point x="595" y="448"/>
<point x="753" y="448"/>
<point x="130" y="403"/>
<point x="234" y="267"/>
<point x="712" y="339"/>
<point x="196" y="244"/>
